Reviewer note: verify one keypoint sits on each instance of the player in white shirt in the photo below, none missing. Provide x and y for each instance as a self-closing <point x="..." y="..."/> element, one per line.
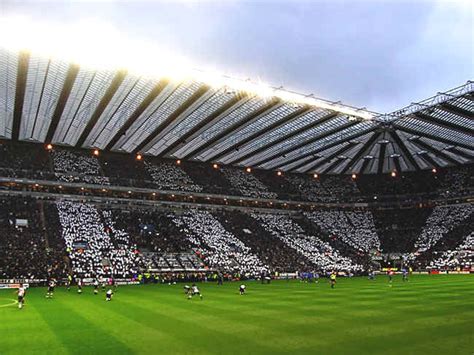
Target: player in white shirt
<point x="79" y="285"/>
<point x="242" y="289"/>
<point x="194" y="291"/>
<point x="21" y="296"/>
<point x="96" y="287"/>
<point x="108" y="295"/>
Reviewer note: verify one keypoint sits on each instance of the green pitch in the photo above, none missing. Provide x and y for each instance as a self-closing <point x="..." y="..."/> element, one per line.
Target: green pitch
<point x="427" y="315"/>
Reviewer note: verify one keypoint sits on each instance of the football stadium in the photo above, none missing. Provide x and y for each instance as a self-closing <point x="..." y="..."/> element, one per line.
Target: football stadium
<point x="149" y="207"/>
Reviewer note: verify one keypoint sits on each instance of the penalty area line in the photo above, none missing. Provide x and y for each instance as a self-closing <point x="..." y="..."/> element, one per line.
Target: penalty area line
<point x="9" y="304"/>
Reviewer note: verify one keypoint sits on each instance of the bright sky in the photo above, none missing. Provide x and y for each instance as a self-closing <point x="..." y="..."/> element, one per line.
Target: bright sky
<point x="376" y="54"/>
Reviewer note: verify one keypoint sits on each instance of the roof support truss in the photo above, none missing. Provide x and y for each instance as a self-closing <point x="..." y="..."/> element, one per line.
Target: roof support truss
<point x="230" y="130"/>
<point x="304" y="143"/>
<point x="285" y="138"/>
<point x="259" y="134"/>
<point x="197" y="95"/>
<point x="429" y="160"/>
<point x="432" y="136"/>
<point x="362" y="151"/>
<point x="462" y="153"/>
<point x="131" y="120"/>
<point x="381" y="160"/>
<point x="457" y="110"/>
<point x="321" y="149"/>
<point x="63" y="97"/>
<point x="118" y="79"/>
<point x="406" y="153"/>
<point x="435" y="151"/>
<point x="443" y="123"/>
<point x="326" y="160"/>
<point x="201" y="124"/>
<point x="23" y="62"/>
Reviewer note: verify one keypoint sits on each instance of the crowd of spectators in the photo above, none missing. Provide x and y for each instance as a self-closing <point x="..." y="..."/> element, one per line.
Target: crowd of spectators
<point x="169" y="176"/>
<point x="23" y="241"/>
<point x="318" y="252"/>
<point x="119" y="243"/>
<point x="21" y="159"/>
<point x="247" y="184"/>
<point x="270" y="249"/>
<point x="327" y="189"/>
<point x="152" y="230"/>
<point x="355" y="228"/>
<point x="94" y="245"/>
<point x="398" y="229"/>
<point x="441" y="221"/>
<point x="460" y="257"/>
<point x="158" y="239"/>
<point x="457" y="181"/>
<point x="219" y="248"/>
<point x="72" y="166"/>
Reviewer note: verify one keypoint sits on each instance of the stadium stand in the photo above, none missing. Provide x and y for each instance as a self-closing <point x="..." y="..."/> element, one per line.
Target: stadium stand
<point x="169" y="176"/>
<point x="460" y="257"/>
<point x="441" y="221"/>
<point x="271" y="250"/>
<point x="67" y="236"/>
<point x="218" y="247"/>
<point x="398" y="229"/>
<point x="247" y="184"/>
<point x="318" y="252"/>
<point x="354" y="228"/>
<point x="94" y="245"/>
<point x="76" y="167"/>
<point x="24" y="249"/>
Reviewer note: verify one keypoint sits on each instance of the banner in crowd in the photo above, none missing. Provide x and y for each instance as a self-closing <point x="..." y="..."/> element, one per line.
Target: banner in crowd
<point x="12" y="286"/>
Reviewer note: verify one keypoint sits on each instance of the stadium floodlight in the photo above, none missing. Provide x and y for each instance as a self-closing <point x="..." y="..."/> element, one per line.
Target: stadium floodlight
<point x="98" y="45"/>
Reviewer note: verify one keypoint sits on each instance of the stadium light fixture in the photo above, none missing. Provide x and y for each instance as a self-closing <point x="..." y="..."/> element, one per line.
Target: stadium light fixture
<point x="354" y="176"/>
<point x="315" y="175"/>
<point x="279" y="173"/>
<point x="249" y="170"/>
<point x="99" y="45"/>
<point x="434" y="171"/>
<point x="96" y="152"/>
<point x="49" y="146"/>
<point x="215" y="166"/>
<point x="178" y="162"/>
<point x="139" y="156"/>
<point x="393" y="174"/>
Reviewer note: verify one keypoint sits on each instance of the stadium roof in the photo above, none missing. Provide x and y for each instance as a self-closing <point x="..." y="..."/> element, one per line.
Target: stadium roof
<point x="53" y="101"/>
